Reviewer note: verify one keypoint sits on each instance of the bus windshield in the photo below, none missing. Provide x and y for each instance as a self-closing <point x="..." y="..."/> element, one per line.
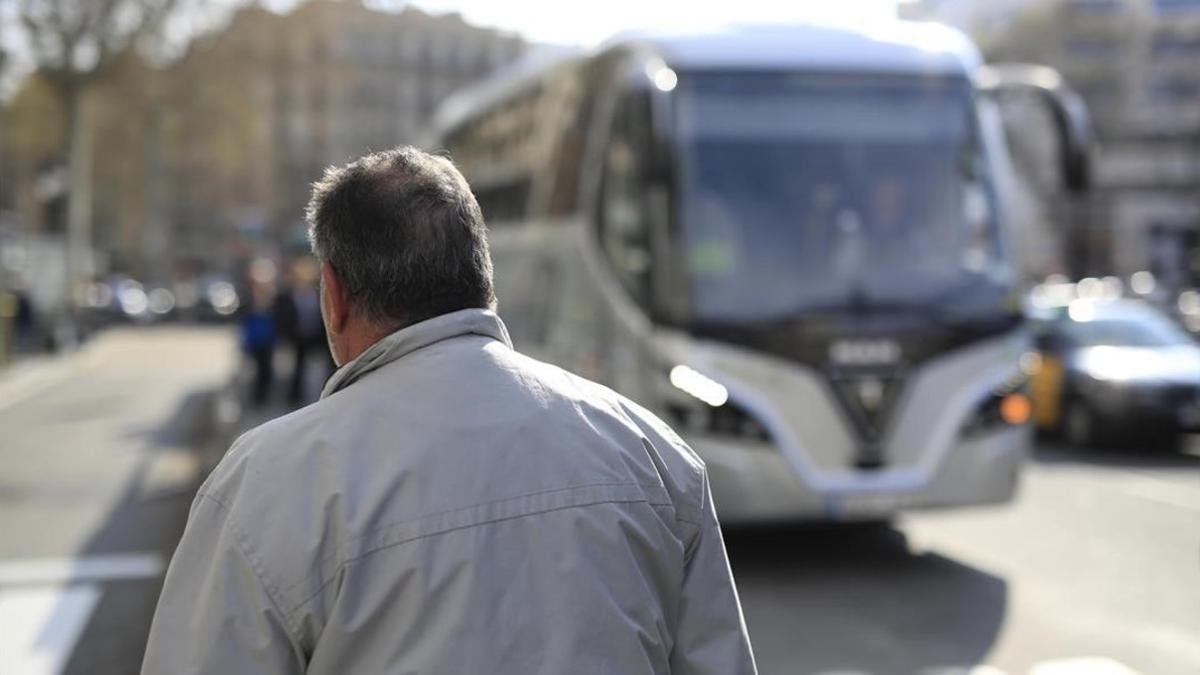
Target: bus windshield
<point x="800" y="192"/>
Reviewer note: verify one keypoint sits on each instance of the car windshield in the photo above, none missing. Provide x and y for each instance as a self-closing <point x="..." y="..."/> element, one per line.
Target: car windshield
<point x="800" y="192"/>
<point x="1148" y="332"/>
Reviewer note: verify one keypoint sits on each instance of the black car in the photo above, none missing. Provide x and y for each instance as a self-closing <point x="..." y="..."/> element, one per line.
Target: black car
<point x="1114" y="368"/>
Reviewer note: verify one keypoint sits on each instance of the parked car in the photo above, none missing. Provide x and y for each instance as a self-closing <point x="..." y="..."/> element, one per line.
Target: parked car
<point x="209" y="298"/>
<point x="1111" y="369"/>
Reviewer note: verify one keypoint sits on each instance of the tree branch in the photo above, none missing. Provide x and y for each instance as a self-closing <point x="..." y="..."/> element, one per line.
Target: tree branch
<point x="58" y="30"/>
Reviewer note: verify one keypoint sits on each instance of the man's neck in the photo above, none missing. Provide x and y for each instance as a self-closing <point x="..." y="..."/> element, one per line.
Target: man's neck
<point x="356" y="339"/>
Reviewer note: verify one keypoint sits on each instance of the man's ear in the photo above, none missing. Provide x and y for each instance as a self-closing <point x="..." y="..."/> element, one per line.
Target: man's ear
<point x="336" y="298"/>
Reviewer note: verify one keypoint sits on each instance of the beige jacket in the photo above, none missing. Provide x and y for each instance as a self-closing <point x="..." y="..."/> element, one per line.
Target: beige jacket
<point x="452" y="507"/>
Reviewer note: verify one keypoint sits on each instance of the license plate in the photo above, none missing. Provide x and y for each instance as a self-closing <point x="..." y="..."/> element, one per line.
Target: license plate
<point x="876" y="503"/>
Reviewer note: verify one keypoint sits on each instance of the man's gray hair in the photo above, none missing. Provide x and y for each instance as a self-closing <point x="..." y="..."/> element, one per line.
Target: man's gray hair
<point x="404" y="234"/>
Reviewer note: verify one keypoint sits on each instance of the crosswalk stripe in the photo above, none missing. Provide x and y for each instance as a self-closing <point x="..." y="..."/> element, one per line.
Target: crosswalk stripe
<point x="1088" y="665"/>
<point x="49" y="571"/>
<point x="39" y="626"/>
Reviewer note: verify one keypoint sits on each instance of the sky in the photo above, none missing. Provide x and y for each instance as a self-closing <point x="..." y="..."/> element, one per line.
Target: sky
<point x="589" y="23"/>
<point x="555" y="21"/>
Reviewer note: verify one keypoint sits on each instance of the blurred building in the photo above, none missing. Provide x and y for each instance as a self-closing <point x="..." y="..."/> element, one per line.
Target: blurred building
<point x="210" y="160"/>
<point x="980" y="18"/>
<point x="1135" y="62"/>
<point x="319" y="86"/>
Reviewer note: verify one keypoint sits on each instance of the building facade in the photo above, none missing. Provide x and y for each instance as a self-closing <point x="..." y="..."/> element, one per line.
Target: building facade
<point x="316" y="87"/>
<point x="1135" y="62"/>
<point x="207" y="161"/>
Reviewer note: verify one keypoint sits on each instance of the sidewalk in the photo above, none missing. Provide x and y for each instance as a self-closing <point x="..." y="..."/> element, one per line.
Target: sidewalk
<point x="26" y="376"/>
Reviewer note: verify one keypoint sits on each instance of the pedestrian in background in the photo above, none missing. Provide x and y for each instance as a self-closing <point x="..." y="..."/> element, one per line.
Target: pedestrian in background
<point x="449" y="505"/>
<point x="258" y="330"/>
<point x="298" y="318"/>
<point x="24" y="319"/>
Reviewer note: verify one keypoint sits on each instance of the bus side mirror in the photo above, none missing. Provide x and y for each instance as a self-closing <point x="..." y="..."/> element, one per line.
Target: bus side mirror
<point x="1077" y="138"/>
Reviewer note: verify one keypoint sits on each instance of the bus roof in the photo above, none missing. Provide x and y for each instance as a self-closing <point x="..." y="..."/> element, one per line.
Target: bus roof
<point x="460" y="105"/>
<point x="888" y="47"/>
<point x="900" y="47"/>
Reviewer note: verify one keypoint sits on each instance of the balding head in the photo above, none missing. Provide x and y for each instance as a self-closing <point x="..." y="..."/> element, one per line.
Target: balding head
<point x="405" y="235"/>
<point x="401" y="238"/>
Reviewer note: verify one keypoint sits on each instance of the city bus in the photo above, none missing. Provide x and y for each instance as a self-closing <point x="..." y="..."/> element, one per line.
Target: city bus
<point x="790" y="242"/>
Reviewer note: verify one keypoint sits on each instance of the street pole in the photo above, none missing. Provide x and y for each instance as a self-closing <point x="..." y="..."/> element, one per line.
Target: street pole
<point x="155" y="233"/>
<point x="79" y="198"/>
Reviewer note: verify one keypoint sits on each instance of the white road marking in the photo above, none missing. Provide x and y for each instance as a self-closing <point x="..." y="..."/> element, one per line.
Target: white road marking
<point x="46" y="603"/>
<point x="1086" y="665"/>
<point x="965" y="670"/>
<point x="40" y="626"/>
<point x="48" y="571"/>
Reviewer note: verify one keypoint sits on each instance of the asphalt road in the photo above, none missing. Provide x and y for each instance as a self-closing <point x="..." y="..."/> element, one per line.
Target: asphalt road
<point x="1094" y="569"/>
<point x="101" y="459"/>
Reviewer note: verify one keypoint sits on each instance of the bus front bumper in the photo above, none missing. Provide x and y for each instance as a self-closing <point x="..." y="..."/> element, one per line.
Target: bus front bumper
<point x="757" y="484"/>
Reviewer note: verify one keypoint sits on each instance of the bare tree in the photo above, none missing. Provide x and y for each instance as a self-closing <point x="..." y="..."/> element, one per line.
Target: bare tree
<point x="73" y="43"/>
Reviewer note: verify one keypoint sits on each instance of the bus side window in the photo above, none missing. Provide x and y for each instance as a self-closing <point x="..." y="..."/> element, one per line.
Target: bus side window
<point x="624" y="223"/>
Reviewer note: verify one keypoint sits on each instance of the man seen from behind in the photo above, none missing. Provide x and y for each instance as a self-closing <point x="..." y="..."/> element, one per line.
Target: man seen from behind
<point x="449" y="505"/>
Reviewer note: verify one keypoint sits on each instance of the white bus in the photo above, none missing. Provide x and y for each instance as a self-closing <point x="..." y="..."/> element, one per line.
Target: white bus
<point x="790" y="242"/>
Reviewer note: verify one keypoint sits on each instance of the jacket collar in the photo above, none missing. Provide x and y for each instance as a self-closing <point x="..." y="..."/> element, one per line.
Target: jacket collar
<point x="406" y="340"/>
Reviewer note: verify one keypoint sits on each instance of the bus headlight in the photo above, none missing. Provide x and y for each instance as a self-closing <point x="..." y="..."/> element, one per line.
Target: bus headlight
<point x="707" y="408"/>
<point x="699" y="386"/>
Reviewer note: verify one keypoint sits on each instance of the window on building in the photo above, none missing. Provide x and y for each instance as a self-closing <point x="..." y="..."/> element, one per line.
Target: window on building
<point x="410" y="47"/>
<point x="1098" y="92"/>
<point x="1097" y="6"/>
<point x="504" y="202"/>
<point x="1174" y="89"/>
<point x="1176" y="5"/>
<point x="1175" y="45"/>
<point x="1091" y="47"/>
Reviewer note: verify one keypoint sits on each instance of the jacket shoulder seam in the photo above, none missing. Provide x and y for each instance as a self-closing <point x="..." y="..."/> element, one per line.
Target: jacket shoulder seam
<point x="241" y="541"/>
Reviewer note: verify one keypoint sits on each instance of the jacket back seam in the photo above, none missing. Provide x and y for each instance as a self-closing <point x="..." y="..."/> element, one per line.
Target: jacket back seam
<point x="385" y="531"/>
<point x="382" y="546"/>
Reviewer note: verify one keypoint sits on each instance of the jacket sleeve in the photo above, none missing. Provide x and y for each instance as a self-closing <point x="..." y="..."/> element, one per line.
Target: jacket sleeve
<point x="711" y="638"/>
<point x="215" y="614"/>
